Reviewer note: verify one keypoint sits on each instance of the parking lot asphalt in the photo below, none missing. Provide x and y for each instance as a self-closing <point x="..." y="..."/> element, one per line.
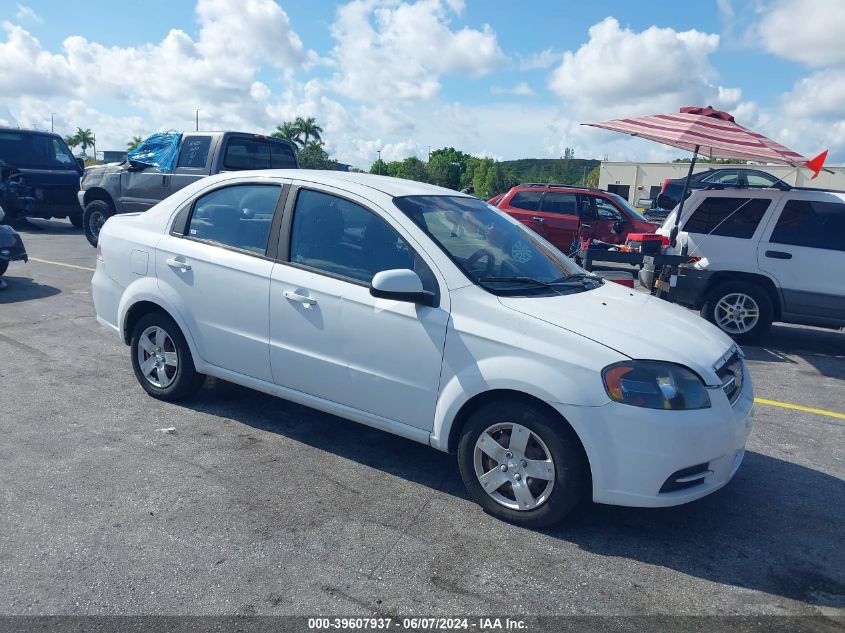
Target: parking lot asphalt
<point x="254" y="505"/>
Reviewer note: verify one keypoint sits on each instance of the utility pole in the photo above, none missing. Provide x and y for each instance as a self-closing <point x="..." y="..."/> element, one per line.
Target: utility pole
<point x="429" y="153"/>
<point x="198" y="120"/>
<point x="378" y="163"/>
<point x="51" y="122"/>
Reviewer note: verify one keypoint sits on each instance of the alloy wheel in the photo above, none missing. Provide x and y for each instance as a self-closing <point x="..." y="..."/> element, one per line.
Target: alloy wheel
<point x="737" y="313"/>
<point x="514" y="466"/>
<point x="157" y="357"/>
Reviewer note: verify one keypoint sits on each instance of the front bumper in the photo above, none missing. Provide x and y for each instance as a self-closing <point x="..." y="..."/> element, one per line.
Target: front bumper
<point x="635" y="452"/>
<point x="11" y="245"/>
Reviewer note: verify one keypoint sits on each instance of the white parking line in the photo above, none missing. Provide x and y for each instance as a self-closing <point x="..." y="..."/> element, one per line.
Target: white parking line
<point x="47" y="261"/>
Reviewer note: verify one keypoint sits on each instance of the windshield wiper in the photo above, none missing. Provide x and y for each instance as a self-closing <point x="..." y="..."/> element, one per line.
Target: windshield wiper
<point x="521" y="280"/>
<point x="577" y="277"/>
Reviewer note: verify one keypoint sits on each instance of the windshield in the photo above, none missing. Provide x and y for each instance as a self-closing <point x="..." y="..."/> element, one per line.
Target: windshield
<point x="624" y="203"/>
<point x="35" y="151"/>
<point x="490" y="247"/>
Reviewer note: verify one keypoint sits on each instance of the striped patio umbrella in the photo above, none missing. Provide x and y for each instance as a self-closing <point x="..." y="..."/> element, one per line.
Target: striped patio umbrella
<point x="706" y="131"/>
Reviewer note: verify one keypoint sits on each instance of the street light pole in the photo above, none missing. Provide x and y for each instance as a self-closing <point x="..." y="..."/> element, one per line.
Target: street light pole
<point x="378" y="162"/>
<point x="198" y="120"/>
<point x="51" y="122"/>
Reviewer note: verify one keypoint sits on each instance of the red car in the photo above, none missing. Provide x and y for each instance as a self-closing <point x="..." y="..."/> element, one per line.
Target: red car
<point x="564" y="213"/>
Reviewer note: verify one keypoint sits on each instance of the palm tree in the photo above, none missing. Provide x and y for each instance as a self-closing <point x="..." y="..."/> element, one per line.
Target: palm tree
<point x="135" y="142"/>
<point x="289" y="131"/>
<point x="86" y="138"/>
<point x="309" y="129"/>
<point x="72" y="141"/>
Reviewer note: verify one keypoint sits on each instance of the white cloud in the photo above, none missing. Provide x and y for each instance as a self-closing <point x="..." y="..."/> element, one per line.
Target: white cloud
<point x="543" y="59"/>
<point x="521" y="89"/>
<point x="27" y="14"/>
<point x="806" y="31"/>
<point x="622" y="71"/>
<point x="389" y="51"/>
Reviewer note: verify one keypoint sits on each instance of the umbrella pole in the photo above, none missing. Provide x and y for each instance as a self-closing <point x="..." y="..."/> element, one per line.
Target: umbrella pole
<point x="673" y="238"/>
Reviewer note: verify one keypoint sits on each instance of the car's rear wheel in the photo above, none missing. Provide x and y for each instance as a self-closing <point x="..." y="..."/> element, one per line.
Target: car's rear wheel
<point x="162" y="359"/>
<point x="741" y="309"/>
<point x="94" y="217"/>
<point x="522" y="464"/>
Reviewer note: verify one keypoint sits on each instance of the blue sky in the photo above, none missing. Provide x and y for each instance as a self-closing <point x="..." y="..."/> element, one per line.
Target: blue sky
<point x="503" y="79"/>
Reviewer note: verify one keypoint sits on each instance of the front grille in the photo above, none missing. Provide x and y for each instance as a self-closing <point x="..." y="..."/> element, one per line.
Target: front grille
<point x="731" y="375"/>
<point x="686" y="478"/>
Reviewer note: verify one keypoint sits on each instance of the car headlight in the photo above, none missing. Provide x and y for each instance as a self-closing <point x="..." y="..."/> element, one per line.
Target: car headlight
<point x="655" y="385"/>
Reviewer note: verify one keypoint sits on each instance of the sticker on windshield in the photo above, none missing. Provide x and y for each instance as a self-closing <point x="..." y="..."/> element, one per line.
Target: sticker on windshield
<point x="521" y="252"/>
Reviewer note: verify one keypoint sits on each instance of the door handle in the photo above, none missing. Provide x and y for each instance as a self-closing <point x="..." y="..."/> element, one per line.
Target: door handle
<point x="586" y="226"/>
<point x="539" y="220"/>
<point x="305" y="301"/>
<point x="175" y="263"/>
<point x="778" y="255"/>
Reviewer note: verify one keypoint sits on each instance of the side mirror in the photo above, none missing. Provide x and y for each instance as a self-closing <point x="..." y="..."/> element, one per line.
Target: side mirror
<point x="400" y="284"/>
<point x="81" y="164"/>
<point x="619" y="226"/>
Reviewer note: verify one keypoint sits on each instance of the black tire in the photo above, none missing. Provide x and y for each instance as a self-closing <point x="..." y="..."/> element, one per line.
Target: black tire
<point x="94" y="216"/>
<point x="4" y="265"/>
<point x="76" y="220"/>
<point x="756" y="293"/>
<point x="571" y="482"/>
<point x="186" y="381"/>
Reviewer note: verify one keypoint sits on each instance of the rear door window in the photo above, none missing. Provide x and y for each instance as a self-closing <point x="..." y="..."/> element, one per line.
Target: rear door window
<point x="728" y="217"/>
<point x="811" y="223"/>
<point x="239" y="216"/>
<point x="560" y="202"/>
<point x="726" y="177"/>
<point x="759" y="179"/>
<point x="282" y="156"/>
<point x="528" y="200"/>
<point x="247" y="153"/>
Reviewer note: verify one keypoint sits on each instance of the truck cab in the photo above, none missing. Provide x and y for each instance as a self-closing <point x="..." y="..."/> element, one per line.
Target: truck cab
<point x="132" y="187"/>
<point x="40" y="176"/>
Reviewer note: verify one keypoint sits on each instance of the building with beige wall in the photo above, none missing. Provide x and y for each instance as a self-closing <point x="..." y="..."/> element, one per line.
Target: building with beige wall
<point x="639" y="183"/>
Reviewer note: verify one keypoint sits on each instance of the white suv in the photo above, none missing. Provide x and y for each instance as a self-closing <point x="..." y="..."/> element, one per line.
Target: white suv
<point x="766" y="255"/>
<point x="402" y="306"/>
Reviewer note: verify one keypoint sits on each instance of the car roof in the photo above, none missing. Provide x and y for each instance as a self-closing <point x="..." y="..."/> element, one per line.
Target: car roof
<point x="394" y="187"/>
<point x="528" y="186"/>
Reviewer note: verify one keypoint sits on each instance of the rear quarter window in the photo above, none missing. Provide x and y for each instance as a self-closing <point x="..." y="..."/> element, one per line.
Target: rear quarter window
<point x="728" y="217"/>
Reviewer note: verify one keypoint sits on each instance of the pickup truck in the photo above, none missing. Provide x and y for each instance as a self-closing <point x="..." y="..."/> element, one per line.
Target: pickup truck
<point x="129" y="187"/>
<point x="39" y="177"/>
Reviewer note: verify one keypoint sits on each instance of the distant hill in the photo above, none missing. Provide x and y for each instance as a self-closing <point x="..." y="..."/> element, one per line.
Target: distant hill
<point x="570" y="171"/>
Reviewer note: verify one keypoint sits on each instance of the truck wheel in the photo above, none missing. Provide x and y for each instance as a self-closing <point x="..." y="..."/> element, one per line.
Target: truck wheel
<point x="76" y="220"/>
<point x="95" y="215"/>
<point x="741" y="309"/>
<point x="521" y="464"/>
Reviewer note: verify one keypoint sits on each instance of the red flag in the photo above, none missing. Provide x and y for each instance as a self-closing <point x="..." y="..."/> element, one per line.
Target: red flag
<point x="815" y="164"/>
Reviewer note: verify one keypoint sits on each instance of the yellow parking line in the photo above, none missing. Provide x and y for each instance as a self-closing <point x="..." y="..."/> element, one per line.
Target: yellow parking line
<point x="798" y="407"/>
<point x="47" y="261"/>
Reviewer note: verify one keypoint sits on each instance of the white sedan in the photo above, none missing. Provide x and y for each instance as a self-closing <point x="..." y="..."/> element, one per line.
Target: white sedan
<point x="429" y="314"/>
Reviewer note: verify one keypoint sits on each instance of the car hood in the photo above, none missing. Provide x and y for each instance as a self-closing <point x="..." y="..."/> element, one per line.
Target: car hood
<point x="634" y="324"/>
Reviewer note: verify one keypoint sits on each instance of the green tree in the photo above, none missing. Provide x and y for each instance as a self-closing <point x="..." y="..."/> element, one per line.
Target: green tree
<point x="592" y="179"/>
<point x="135" y="142"/>
<point x="412" y="168"/>
<point x="289" y="131"/>
<point x="379" y="167"/>
<point x="447" y="166"/>
<point x="313" y="156"/>
<point x="86" y="139"/>
<point x="309" y="130"/>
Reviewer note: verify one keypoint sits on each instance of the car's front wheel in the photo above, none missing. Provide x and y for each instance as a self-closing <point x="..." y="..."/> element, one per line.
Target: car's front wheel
<point x="162" y="359"/>
<point x="94" y="217"/>
<point x="522" y="464"/>
<point x="741" y="309"/>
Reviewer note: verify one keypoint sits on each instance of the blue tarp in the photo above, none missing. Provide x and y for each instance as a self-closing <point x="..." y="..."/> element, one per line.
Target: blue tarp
<point x="159" y="150"/>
